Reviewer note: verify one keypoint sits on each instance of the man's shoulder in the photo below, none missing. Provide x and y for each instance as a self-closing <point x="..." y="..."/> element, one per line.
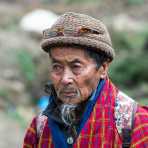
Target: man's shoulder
<point x="125" y="108"/>
<point x="41" y="121"/>
<point x="140" y="130"/>
<point x="142" y="114"/>
<point x="124" y="99"/>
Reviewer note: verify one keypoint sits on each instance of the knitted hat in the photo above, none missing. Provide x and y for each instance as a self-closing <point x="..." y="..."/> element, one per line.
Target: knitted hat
<point x="78" y="29"/>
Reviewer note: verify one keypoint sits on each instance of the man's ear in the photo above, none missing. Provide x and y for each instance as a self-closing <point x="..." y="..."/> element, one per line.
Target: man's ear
<point x="104" y="70"/>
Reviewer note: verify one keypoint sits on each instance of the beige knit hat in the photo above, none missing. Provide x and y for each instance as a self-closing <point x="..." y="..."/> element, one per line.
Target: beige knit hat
<point x="78" y="29"/>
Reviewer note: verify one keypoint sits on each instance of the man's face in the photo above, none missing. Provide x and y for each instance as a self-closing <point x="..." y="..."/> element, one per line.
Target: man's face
<point x="73" y="74"/>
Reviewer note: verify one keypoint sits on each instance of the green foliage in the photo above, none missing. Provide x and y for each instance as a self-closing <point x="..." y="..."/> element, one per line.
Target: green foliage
<point x="26" y="65"/>
<point x="130" y="70"/>
<point x="14" y="114"/>
<point x="120" y="40"/>
<point x="143" y="101"/>
<point x="135" y="2"/>
<point x="5" y="96"/>
<point x="3" y="93"/>
<point x="128" y="40"/>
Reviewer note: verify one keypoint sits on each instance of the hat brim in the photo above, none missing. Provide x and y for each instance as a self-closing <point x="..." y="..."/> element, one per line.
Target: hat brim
<point x="96" y="45"/>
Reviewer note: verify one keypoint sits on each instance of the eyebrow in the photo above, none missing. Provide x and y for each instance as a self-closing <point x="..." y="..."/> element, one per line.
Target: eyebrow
<point x="72" y="62"/>
<point x="55" y="60"/>
<point x="76" y="61"/>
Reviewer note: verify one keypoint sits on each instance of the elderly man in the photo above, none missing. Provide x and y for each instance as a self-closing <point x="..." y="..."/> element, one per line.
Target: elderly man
<point x="85" y="108"/>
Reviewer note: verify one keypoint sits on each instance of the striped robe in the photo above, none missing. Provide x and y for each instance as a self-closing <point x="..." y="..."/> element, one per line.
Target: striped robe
<point x="99" y="131"/>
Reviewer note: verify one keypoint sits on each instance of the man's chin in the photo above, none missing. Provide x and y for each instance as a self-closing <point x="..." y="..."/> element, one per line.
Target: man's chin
<point x="71" y="101"/>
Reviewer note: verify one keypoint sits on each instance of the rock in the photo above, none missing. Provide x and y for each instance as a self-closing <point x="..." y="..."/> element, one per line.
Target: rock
<point x="14" y="86"/>
<point x="37" y="20"/>
<point x="13" y="92"/>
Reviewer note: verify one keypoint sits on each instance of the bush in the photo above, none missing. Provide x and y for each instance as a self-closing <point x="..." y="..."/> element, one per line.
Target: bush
<point x="135" y="2"/>
<point x="124" y="40"/>
<point x="131" y="70"/>
<point x="26" y="65"/>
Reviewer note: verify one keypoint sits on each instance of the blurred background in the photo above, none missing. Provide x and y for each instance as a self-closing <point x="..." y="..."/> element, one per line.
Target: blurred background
<point x="24" y="66"/>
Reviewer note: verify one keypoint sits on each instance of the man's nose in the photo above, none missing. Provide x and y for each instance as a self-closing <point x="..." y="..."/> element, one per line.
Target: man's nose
<point x="67" y="76"/>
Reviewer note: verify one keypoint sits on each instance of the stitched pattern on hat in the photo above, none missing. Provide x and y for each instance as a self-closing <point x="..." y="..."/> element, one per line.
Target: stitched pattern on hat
<point x="78" y="29"/>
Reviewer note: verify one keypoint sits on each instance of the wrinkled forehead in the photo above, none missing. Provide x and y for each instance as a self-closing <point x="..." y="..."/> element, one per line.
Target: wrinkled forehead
<point x="69" y="53"/>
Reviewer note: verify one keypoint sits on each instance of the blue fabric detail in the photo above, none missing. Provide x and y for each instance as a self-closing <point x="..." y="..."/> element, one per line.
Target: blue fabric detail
<point x="90" y="105"/>
<point x="43" y="102"/>
<point x="59" y="139"/>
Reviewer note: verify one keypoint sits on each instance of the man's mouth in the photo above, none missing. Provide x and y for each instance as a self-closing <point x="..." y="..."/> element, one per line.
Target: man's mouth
<point x="68" y="94"/>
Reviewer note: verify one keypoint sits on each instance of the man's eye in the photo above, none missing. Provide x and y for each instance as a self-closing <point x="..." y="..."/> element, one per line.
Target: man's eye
<point x="76" y="68"/>
<point x="57" y="67"/>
